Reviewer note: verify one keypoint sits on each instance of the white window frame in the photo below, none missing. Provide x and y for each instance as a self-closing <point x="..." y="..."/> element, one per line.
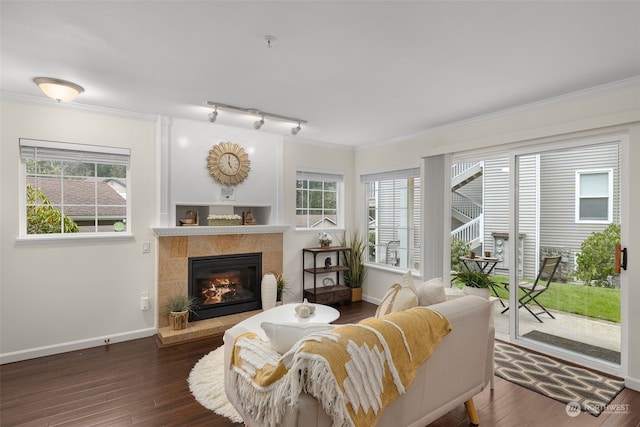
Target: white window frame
<point x="409" y="251"/>
<point x="70" y="151"/>
<point x="318" y="175"/>
<point x="579" y="174"/>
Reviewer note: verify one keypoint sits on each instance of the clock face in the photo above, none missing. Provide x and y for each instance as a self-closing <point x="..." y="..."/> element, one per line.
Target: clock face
<point x="228" y="163"/>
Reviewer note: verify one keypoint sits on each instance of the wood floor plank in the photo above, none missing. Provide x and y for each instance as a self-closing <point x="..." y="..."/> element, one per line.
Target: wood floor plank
<point x="135" y="383"/>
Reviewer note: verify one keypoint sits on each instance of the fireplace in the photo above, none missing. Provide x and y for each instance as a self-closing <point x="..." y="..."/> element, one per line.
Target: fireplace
<point x="225" y="284"/>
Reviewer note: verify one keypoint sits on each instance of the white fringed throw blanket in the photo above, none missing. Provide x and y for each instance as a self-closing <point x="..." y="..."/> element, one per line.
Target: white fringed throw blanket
<point x="355" y="371"/>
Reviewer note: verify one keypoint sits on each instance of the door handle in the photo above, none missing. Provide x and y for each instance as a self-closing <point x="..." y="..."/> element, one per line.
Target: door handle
<point x="621" y="258"/>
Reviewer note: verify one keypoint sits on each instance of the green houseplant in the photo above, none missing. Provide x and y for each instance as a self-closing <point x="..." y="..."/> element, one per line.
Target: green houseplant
<point x="179" y="307"/>
<point x="354" y="261"/>
<point x="282" y="287"/>
<point x="475" y="282"/>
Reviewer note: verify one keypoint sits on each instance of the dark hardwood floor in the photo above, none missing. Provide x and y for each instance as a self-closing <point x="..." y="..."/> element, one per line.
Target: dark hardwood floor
<point x="135" y="383"/>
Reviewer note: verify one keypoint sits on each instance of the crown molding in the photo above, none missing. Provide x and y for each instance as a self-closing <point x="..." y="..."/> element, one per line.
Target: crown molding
<point x="583" y="93"/>
<point x="47" y="102"/>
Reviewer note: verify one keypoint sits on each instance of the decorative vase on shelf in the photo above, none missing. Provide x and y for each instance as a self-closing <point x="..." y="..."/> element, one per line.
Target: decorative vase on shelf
<point x="269" y="291"/>
<point x="325" y="240"/>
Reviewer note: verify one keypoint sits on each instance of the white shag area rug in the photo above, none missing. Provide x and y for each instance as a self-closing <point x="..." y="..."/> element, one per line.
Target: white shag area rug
<point x="206" y="382"/>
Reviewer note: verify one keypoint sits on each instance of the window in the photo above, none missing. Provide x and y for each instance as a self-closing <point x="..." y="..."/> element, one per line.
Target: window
<point x="593" y="196"/>
<point x="73" y="188"/>
<point x="318" y="198"/>
<point x="394" y="218"/>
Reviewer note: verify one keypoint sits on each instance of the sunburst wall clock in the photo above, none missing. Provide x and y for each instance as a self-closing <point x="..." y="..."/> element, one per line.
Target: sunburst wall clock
<point x="228" y="163"/>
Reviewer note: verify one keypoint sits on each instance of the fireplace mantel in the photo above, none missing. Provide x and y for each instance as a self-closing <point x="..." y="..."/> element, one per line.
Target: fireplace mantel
<point x="219" y="230"/>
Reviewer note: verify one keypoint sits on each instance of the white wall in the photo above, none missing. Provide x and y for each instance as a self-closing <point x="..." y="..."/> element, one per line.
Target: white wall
<point x="598" y="111"/>
<point x="312" y="157"/>
<point x="190" y="182"/>
<point x="60" y="296"/>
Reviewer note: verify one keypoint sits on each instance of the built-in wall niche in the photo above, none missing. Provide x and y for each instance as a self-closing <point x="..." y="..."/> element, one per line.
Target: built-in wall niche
<point x="261" y="214"/>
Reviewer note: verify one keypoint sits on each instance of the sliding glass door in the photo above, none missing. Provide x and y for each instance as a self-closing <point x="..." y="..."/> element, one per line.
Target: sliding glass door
<point x="545" y="221"/>
<point x="568" y="222"/>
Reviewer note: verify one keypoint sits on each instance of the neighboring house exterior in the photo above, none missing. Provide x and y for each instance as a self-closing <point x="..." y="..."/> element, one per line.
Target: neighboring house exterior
<point x="562" y="200"/>
<point x="82" y="197"/>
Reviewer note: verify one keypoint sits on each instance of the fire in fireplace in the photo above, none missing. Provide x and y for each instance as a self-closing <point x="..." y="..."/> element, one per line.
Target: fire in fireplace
<point x="225" y="284"/>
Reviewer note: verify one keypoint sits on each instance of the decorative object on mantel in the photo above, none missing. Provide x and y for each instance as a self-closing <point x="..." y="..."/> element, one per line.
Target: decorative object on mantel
<point x="269" y="291"/>
<point x="305" y="309"/>
<point x="248" y="218"/>
<point x="324" y="239"/>
<point x="191" y="218"/>
<point x="217" y="220"/>
<point x="228" y="163"/>
<point x="178" y="307"/>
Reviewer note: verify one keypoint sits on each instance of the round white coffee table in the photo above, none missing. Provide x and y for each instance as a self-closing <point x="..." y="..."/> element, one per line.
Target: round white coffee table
<point x="286" y="313"/>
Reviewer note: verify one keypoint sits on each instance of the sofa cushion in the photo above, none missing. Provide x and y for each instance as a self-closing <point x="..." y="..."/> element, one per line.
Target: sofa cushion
<point x="431" y="292"/>
<point x="282" y="336"/>
<point x="401" y="296"/>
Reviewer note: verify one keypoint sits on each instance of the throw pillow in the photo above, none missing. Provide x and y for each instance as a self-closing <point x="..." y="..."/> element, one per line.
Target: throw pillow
<point x="398" y="298"/>
<point x="431" y="292"/>
<point x="283" y="336"/>
<point x="406" y="281"/>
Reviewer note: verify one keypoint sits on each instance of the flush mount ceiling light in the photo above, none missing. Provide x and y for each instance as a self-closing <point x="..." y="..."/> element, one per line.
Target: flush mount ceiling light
<point x="60" y="90"/>
<point x="255" y="112"/>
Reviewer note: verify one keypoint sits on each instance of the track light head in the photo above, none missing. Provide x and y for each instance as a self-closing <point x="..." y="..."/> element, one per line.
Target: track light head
<point x="295" y="130"/>
<point x="213" y="115"/>
<point x="258" y="124"/>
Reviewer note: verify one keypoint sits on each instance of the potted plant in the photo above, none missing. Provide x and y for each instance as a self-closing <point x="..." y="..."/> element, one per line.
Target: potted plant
<point x="282" y="287"/>
<point x="354" y="261"/>
<point x="178" y="307"/>
<point x="475" y="282"/>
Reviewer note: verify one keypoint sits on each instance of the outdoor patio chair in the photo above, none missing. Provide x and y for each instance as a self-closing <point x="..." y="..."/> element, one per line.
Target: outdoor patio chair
<point x="532" y="290"/>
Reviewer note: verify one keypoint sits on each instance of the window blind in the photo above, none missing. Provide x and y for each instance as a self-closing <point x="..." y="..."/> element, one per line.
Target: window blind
<point x="318" y="176"/>
<point x="391" y="175"/>
<point x="31" y="149"/>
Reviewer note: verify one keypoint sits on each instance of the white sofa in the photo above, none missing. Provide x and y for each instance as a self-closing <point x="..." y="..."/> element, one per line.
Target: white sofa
<point x="459" y="368"/>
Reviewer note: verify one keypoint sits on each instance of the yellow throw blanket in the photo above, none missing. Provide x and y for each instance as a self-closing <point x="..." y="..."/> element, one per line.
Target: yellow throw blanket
<point x="355" y="371"/>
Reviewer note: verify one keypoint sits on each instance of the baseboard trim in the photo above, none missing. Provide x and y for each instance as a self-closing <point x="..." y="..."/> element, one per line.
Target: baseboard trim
<point x="632" y="383"/>
<point x="33" y="353"/>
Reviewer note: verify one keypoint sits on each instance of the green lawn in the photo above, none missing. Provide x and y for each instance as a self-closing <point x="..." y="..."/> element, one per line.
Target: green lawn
<point x="598" y="303"/>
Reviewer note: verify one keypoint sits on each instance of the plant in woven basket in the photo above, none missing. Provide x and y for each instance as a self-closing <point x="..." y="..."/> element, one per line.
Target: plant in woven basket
<point x="178" y="308"/>
<point x="180" y="303"/>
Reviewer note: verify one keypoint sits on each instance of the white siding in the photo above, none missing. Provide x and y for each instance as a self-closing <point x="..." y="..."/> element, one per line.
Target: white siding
<point x="558" y="228"/>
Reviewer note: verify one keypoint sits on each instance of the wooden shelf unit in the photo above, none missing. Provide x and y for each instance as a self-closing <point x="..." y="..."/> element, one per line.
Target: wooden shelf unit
<point x="334" y="294"/>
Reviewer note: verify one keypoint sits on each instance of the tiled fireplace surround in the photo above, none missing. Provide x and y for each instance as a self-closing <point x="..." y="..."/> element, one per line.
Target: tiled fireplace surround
<point x="173" y="255"/>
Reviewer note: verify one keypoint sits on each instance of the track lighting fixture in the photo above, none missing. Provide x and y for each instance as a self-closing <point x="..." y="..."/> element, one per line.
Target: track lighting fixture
<point x="255" y="112"/>
<point x="258" y="123"/>
<point x="213" y="115"/>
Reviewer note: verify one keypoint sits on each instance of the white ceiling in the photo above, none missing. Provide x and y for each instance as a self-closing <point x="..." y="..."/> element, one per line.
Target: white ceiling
<point x="360" y="72"/>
